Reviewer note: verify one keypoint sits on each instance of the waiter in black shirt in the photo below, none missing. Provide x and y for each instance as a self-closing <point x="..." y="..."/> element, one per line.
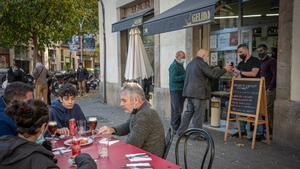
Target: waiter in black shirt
<point x="247" y="68"/>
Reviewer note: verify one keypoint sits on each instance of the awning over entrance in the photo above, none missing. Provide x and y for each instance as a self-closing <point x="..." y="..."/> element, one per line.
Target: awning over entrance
<point x="186" y="14"/>
<point x="131" y="21"/>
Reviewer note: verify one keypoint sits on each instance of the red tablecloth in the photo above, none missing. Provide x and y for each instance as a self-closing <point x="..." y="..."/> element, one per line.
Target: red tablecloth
<point x="116" y="159"/>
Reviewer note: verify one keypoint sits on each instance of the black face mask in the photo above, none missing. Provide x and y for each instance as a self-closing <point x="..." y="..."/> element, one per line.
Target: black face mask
<point x="242" y="56"/>
<point x="261" y="55"/>
<point x="134" y="111"/>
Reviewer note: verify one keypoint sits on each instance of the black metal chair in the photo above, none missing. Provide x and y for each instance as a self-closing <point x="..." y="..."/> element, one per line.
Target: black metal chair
<point x="168" y="142"/>
<point x="199" y="133"/>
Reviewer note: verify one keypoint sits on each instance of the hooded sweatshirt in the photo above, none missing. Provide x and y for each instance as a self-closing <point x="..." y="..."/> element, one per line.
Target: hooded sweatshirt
<point x="16" y="152"/>
<point x="62" y="115"/>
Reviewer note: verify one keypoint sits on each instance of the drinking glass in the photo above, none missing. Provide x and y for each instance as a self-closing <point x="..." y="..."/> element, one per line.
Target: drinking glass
<point x="52" y="127"/>
<point x="81" y="127"/>
<point x="103" y="147"/>
<point x="92" y="123"/>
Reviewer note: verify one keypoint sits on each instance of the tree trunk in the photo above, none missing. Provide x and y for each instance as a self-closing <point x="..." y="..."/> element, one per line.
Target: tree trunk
<point x="35" y="49"/>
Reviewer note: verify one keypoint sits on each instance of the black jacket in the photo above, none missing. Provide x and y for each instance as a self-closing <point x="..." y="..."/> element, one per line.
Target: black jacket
<point x="16" y="152"/>
<point x="15" y="75"/>
<point x="197" y="80"/>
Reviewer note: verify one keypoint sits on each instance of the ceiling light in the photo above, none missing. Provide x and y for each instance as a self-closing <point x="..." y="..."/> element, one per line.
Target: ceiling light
<point x="252" y="16"/>
<point x="226" y="17"/>
<point x="273" y="14"/>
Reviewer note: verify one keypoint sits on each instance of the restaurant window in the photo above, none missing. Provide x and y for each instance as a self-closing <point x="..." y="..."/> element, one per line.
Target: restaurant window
<point x="226" y="15"/>
<point x="258" y="12"/>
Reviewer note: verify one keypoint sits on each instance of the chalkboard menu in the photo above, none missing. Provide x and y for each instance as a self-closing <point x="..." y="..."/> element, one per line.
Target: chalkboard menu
<point x="245" y="96"/>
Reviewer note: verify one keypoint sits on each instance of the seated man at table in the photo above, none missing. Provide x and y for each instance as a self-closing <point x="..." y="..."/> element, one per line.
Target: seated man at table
<point x="144" y="127"/>
<point x="24" y="150"/>
<point x="14" y="91"/>
<point x="65" y="108"/>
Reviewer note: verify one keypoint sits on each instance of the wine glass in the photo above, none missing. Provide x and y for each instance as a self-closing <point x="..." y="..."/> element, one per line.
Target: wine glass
<point x="52" y="127"/>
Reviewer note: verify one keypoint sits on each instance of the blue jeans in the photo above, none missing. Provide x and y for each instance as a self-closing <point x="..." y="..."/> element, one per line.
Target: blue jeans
<point x="177" y="101"/>
<point x="259" y="131"/>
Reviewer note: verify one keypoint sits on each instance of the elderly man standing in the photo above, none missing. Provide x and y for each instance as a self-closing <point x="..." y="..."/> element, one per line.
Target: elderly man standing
<point x="197" y="89"/>
<point x="40" y="74"/>
<point x="176" y="82"/>
<point x="144" y="127"/>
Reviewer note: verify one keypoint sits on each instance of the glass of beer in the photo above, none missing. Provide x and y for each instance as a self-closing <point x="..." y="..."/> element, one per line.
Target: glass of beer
<point x="92" y="123"/>
<point x="52" y="127"/>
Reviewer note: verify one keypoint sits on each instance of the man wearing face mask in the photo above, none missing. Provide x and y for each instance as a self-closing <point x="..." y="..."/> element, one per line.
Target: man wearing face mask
<point x="144" y="128"/>
<point x="268" y="69"/>
<point x="248" y="68"/>
<point x="197" y="87"/>
<point x="176" y="82"/>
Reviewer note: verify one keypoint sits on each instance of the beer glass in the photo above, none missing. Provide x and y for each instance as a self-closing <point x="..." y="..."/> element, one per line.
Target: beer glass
<point x="92" y="123"/>
<point x="52" y="127"/>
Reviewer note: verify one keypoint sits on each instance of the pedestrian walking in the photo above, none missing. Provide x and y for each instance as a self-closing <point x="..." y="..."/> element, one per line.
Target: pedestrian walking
<point x="40" y="74"/>
<point x="197" y="89"/>
<point x="176" y="82"/>
<point x="82" y="76"/>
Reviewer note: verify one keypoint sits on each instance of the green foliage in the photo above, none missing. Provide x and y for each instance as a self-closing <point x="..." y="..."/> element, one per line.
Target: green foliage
<point x="21" y="21"/>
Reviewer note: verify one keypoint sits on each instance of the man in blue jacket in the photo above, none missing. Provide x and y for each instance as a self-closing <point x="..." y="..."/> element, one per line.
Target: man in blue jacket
<point x="65" y="108"/>
<point x="176" y="82"/>
<point x="14" y="91"/>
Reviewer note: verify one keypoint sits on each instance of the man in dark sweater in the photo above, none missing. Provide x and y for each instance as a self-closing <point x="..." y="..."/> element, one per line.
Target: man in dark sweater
<point x="144" y="127"/>
<point x="65" y="108"/>
<point x="268" y="68"/>
<point x="197" y="89"/>
<point x="176" y="82"/>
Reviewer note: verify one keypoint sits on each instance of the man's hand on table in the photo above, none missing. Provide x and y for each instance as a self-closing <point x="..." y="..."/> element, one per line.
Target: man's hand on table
<point x="106" y="130"/>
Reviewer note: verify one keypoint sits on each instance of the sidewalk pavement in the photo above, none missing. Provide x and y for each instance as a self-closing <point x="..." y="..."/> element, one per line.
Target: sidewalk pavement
<point x="235" y="154"/>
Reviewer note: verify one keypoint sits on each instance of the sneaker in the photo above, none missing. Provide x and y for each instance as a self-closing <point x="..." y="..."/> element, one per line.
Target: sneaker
<point x="244" y="133"/>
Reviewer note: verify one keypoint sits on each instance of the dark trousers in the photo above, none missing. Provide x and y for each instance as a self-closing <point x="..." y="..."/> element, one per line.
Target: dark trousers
<point x="177" y="101"/>
<point x="195" y="109"/>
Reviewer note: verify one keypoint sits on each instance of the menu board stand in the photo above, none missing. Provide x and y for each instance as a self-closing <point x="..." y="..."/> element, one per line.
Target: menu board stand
<point x="248" y="102"/>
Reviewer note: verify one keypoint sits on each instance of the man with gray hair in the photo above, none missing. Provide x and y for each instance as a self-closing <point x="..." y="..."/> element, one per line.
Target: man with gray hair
<point x="144" y="127"/>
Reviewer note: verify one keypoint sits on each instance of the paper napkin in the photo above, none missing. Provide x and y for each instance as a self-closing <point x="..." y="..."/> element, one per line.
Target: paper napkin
<point x="138" y="157"/>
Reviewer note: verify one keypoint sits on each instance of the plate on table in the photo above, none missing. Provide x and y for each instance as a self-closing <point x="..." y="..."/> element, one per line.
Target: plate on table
<point x="83" y="141"/>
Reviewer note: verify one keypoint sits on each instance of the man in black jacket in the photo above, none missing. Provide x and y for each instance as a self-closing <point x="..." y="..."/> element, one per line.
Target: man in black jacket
<point x="197" y="89"/>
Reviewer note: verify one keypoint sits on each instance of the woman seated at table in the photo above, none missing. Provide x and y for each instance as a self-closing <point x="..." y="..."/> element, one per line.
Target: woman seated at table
<point x="24" y="151"/>
<point x="65" y="108"/>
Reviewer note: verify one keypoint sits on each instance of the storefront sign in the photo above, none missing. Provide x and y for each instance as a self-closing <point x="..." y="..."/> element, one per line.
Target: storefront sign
<point x="202" y="16"/>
